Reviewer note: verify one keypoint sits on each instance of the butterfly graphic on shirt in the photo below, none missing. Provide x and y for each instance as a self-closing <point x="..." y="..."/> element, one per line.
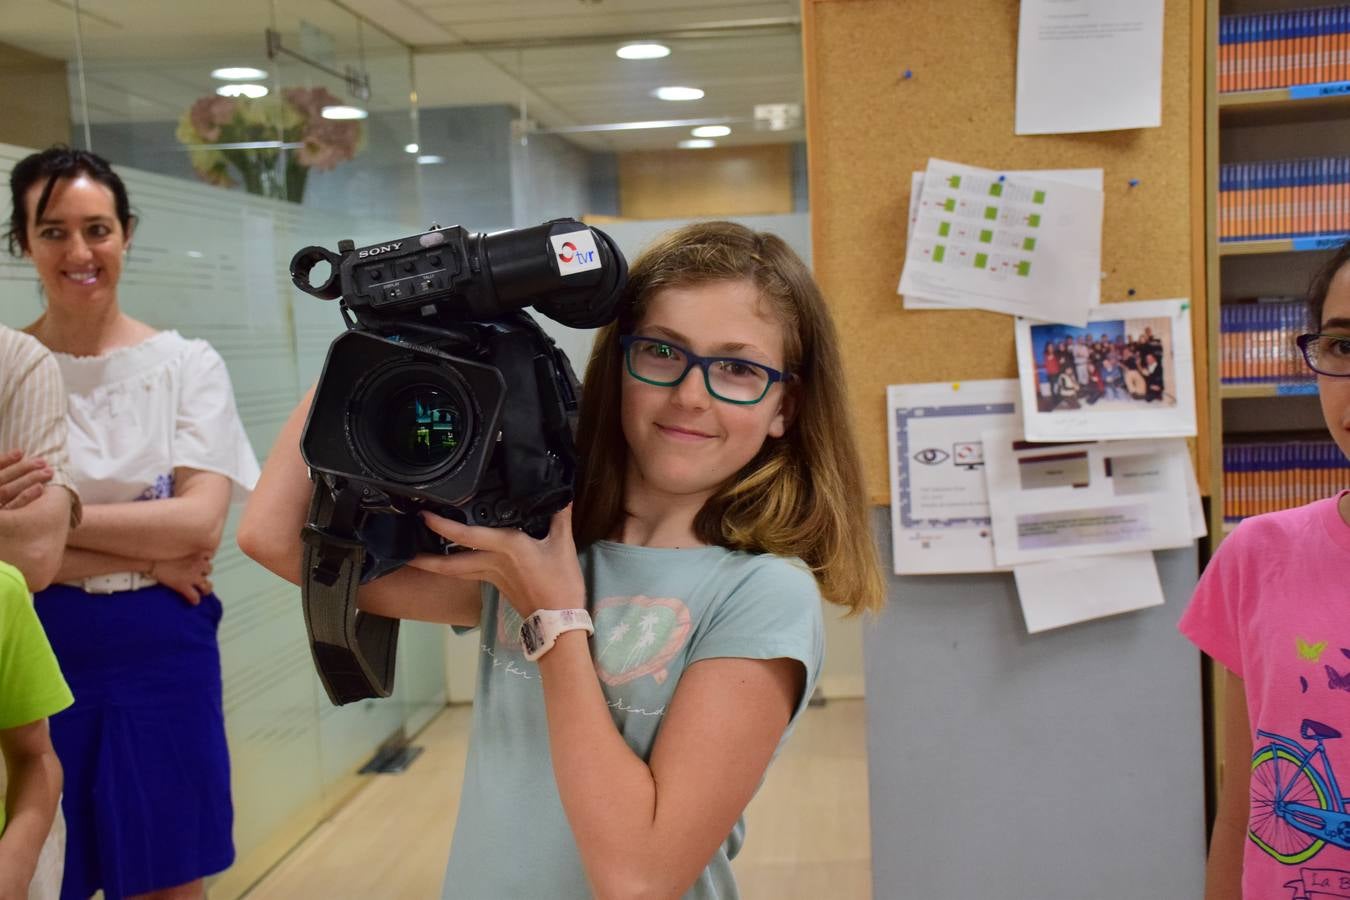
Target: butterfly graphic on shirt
<point x="1337" y="681"/>
<point x="1310" y="652"/>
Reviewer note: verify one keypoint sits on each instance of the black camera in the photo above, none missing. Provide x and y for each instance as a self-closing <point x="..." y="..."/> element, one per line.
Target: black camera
<point x="443" y="395"/>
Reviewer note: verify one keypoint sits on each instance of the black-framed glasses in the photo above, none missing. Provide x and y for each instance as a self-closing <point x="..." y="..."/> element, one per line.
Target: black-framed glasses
<point x="728" y="378"/>
<point x="1326" y="354"/>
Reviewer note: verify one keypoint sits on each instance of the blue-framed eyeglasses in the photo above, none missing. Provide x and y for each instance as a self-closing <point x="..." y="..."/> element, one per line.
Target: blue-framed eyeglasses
<point x="729" y="379"/>
<point x="1326" y="354"/>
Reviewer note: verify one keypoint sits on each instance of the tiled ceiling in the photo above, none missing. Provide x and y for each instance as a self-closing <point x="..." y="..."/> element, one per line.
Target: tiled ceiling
<point x="149" y="59"/>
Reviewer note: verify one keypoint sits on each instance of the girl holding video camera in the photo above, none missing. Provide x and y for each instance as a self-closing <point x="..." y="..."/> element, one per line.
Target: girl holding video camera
<point x="1270" y="610"/>
<point x="642" y="664"/>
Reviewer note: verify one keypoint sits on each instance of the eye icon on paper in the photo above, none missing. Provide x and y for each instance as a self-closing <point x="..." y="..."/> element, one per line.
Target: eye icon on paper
<point x="969" y="454"/>
<point x="931" y="456"/>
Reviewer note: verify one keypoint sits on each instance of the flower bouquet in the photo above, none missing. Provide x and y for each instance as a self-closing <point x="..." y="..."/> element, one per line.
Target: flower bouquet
<point x="267" y="144"/>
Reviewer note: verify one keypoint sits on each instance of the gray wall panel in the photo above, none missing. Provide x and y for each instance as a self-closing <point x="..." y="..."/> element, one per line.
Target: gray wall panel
<point x="1058" y="766"/>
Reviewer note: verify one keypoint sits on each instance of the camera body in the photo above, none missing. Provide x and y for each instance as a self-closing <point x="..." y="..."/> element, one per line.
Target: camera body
<point x="444" y="395"/>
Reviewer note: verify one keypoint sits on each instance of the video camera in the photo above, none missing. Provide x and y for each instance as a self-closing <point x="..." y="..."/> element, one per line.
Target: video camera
<point x="442" y="395"/>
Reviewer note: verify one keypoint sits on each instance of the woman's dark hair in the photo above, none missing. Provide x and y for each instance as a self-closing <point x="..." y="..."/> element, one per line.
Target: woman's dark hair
<point x="54" y="164"/>
<point x="1321" y="285"/>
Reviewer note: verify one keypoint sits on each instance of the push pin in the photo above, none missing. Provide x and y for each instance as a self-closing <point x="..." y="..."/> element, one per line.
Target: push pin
<point x="1134" y="182"/>
<point x="1130" y="292"/>
<point x="909" y="73"/>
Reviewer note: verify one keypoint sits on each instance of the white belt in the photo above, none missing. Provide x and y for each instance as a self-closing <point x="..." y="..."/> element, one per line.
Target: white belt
<point x="111" y="584"/>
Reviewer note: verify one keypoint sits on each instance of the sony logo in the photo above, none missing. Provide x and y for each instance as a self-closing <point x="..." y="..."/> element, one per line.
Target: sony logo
<point x="376" y="251"/>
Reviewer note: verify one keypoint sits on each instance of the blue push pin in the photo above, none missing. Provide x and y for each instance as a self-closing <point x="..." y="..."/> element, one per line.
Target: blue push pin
<point x="1002" y="178"/>
<point x="908" y="74"/>
<point x="1134" y="182"/>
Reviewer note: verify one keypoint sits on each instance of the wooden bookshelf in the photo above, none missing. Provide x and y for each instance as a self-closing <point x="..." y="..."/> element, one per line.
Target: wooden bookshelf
<point x="1254" y="391"/>
<point x="1283" y="106"/>
<point x="1282" y="245"/>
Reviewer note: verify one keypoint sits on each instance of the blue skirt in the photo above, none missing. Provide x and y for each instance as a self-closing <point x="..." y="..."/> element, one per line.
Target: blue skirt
<point x="147" y="771"/>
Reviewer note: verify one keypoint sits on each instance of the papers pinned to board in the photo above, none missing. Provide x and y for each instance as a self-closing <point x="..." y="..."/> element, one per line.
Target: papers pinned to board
<point x="970" y="494"/>
<point x="1020" y="242"/>
<point x="1089" y="65"/>
<point x="1128" y="373"/>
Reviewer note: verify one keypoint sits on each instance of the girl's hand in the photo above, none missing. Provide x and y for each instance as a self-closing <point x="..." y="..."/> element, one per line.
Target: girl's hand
<point x="531" y="574"/>
<point x="187" y="576"/>
<point x="21" y="479"/>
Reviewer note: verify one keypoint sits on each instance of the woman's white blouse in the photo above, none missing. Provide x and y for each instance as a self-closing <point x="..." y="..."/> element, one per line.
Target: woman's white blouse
<point x="139" y="412"/>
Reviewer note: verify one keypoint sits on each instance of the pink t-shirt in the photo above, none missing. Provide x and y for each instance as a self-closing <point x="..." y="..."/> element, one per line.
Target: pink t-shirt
<point x="1273" y="606"/>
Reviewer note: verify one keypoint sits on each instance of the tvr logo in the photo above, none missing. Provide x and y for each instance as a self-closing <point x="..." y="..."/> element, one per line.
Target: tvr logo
<point x="570" y="252"/>
<point x="576" y="252"/>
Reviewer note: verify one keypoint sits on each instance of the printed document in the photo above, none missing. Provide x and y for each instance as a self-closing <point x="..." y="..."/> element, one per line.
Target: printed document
<point x="1068" y="591"/>
<point x="1051" y="501"/>
<point x="1089" y="65"/>
<point x="939" y="502"/>
<point x="1018" y="244"/>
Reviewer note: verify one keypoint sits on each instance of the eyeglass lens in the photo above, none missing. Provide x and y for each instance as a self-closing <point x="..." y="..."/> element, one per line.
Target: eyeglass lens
<point x="1328" y="354"/>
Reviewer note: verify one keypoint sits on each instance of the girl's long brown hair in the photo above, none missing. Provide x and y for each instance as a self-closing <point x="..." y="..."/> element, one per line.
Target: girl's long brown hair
<point x="803" y="494"/>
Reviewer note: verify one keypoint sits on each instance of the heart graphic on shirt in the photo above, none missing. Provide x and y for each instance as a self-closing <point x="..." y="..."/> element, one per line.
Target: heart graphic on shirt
<point x="637" y="636"/>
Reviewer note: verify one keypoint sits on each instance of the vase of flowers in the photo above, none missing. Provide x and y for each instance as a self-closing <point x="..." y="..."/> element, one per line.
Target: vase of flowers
<point x="267" y="144"/>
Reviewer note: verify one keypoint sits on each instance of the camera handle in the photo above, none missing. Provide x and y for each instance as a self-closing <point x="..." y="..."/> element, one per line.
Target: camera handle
<point x="353" y="651"/>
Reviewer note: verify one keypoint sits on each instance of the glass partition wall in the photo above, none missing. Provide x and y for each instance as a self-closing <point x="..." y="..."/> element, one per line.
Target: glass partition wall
<point x="217" y="117"/>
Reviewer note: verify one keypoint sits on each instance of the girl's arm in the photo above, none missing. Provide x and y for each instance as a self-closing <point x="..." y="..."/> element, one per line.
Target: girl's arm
<point x="1223" y="872"/>
<point x="643" y="829"/>
<point x="191" y="521"/>
<point x="269" y="532"/>
<point x="30" y="803"/>
<point x="648" y="830"/>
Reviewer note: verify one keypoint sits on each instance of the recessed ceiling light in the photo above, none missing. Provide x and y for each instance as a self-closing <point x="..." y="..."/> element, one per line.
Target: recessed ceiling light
<point x="430" y="159"/>
<point x="343" y="112"/>
<point x="644" y="50"/>
<point x="697" y="144"/>
<point x="706" y="131"/>
<point x="238" y="73"/>
<point x="252" y="91"/>
<point x="411" y="148"/>
<point x="678" y="93"/>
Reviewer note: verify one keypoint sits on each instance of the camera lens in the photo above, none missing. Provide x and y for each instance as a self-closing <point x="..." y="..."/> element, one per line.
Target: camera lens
<point x="424" y="426"/>
<point x="411" y="421"/>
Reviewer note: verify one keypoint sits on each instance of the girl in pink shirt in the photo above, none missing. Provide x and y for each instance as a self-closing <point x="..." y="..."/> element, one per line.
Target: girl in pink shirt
<point x="1273" y="609"/>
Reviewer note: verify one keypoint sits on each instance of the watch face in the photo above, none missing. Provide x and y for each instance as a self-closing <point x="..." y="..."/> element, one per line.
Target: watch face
<point x="529" y="635"/>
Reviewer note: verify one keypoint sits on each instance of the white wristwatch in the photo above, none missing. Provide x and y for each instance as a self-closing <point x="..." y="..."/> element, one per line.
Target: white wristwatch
<point x="540" y="630"/>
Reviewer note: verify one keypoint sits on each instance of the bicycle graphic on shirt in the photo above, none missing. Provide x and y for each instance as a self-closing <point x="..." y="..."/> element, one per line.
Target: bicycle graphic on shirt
<point x="1297" y="810"/>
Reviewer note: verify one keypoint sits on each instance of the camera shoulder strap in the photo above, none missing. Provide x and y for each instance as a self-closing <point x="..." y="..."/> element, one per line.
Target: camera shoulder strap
<point x="353" y="651"/>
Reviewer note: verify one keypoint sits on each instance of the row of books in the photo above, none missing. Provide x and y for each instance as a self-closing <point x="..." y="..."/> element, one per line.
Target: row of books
<point x="1256" y="341"/>
<point x="1289" y="198"/>
<point x="1265" y="477"/>
<point x="1281" y="49"/>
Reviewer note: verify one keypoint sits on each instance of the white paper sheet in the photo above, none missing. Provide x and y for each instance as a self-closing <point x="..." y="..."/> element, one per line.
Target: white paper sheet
<point x="1017" y="244"/>
<point x="1089" y="178"/>
<point x="1089" y="65"/>
<point x="1107" y="402"/>
<point x="939" y="502"/>
<point x="1066" y="591"/>
<point x="1085" y="499"/>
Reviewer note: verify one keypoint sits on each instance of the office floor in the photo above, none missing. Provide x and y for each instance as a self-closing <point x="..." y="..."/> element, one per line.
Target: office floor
<point x="807" y="832"/>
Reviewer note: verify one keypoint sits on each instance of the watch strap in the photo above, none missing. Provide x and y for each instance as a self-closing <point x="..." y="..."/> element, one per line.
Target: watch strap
<point x="539" y="631"/>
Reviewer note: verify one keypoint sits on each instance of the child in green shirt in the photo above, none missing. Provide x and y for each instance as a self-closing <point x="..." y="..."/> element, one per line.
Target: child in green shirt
<point x="31" y="689"/>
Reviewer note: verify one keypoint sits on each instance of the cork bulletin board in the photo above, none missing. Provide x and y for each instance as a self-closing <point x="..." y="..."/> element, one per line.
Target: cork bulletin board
<point x="869" y="126"/>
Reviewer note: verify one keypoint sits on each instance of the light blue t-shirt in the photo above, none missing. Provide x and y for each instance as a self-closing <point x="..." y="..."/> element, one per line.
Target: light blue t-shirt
<point x="656" y="611"/>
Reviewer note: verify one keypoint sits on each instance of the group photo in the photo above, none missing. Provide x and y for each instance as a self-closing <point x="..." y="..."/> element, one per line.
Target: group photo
<point x="1109" y="365"/>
